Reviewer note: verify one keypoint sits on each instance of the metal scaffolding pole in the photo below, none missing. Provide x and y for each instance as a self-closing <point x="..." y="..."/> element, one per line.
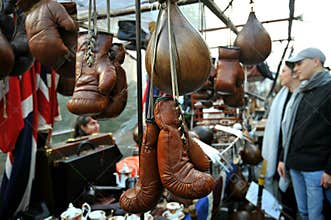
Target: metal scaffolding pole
<point x="154" y="6"/>
<point x="132" y="10"/>
<point x="217" y="11"/>
<point x="263" y="22"/>
<point x="139" y="72"/>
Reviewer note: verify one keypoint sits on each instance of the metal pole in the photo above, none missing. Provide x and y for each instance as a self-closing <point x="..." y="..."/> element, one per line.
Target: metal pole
<point x="263" y="22"/>
<point x="139" y="79"/>
<point x="132" y="10"/>
<point x="139" y="71"/>
<point x="217" y="11"/>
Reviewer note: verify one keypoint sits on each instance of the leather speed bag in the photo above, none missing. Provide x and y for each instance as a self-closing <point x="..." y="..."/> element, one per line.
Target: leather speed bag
<point x="193" y="60"/>
<point x="254" y="42"/>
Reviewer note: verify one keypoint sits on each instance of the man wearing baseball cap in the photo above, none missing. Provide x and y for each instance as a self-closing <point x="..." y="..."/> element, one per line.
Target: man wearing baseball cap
<point x="306" y="129"/>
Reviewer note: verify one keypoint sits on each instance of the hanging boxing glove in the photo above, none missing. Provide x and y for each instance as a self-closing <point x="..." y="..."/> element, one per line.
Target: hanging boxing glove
<point x="7" y="56"/>
<point x="9" y="6"/>
<point x="236" y="100"/>
<point x="198" y="158"/>
<point x="147" y="191"/>
<point x="95" y="74"/>
<point x="206" y="92"/>
<point x="7" y="26"/>
<point x="65" y="85"/>
<point x="43" y="22"/>
<point x="119" y="94"/>
<point x="176" y="171"/>
<point x="26" y="5"/>
<point x="229" y="76"/>
<point x="19" y="43"/>
<point x="229" y="73"/>
<point x="66" y="82"/>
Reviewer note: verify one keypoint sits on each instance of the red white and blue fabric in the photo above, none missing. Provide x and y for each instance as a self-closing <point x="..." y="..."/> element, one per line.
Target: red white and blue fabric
<point x="21" y="104"/>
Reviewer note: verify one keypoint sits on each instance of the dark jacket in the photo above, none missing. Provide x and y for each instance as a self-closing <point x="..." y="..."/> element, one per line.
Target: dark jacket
<point x="310" y="146"/>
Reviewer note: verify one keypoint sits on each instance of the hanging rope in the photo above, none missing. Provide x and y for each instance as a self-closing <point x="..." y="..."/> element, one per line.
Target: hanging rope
<point x="228" y="6"/>
<point x="89" y="56"/>
<point x="172" y="54"/>
<point x="155" y="36"/>
<point x="89" y="15"/>
<point x="252" y="5"/>
<point x="108" y="16"/>
<point x="95" y="17"/>
<point x="174" y="81"/>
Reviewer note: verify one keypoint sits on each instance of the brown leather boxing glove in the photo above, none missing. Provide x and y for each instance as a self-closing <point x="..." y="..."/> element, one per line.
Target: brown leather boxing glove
<point x="66" y="82"/>
<point x="19" y="43"/>
<point x="95" y="74"/>
<point x="119" y="95"/>
<point x="229" y="76"/>
<point x="26" y="5"/>
<point x="176" y="171"/>
<point x="65" y="85"/>
<point x="229" y="73"/>
<point x="7" y="25"/>
<point x="7" y="57"/>
<point x="198" y="158"/>
<point x="147" y="191"/>
<point x="43" y="22"/>
<point x="235" y="100"/>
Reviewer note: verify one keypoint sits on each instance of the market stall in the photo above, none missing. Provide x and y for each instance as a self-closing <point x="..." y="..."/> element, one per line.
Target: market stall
<point x="200" y="107"/>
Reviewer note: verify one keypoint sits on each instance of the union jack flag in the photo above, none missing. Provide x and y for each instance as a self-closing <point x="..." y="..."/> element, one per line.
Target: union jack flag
<point x="27" y="103"/>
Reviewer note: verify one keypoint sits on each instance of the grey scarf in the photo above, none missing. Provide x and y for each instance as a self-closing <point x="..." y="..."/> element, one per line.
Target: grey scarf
<point x="319" y="79"/>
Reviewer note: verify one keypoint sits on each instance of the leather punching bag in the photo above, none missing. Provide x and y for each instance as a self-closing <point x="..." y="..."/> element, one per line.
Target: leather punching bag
<point x="254" y="42"/>
<point x="192" y="56"/>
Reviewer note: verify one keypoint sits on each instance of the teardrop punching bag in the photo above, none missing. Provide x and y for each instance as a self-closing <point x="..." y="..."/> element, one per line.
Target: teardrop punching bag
<point x="192" y="56"/>
<point x="254" y="42"/>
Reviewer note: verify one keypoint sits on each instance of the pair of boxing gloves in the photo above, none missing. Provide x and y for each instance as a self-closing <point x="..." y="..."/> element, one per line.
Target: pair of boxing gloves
<point x="101" y="86"/>
<point x="169" y="158"/>
<point x="100" y="89"/>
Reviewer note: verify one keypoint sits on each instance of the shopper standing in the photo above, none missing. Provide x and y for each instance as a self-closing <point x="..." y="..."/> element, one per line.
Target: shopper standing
<point x="307" y="134"/>
<point x="272" y="139"/>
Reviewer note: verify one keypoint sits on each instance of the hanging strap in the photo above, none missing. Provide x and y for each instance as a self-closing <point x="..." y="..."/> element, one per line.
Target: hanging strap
<point x="156" y="37"/>
<point x="172" y="54"/>
<point x="89" y="55"/>
<point x="108" y="16"/>
<point x="173" y="70"/>
<point x="95" y="17"/>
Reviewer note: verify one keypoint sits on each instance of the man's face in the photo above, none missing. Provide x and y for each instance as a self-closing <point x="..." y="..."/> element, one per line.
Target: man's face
<point x="305" y="68"/>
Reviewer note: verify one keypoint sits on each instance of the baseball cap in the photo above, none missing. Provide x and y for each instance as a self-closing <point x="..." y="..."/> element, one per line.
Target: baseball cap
<point x="310" y="53"/>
